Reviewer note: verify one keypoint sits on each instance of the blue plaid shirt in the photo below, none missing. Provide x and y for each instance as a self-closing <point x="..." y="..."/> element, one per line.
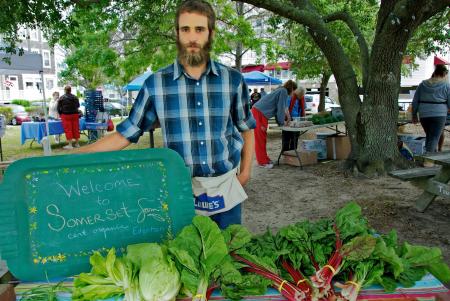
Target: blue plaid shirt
<point x="200" y="119"/>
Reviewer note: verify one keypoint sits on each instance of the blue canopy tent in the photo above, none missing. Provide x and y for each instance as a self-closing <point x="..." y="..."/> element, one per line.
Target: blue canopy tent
<point x="259" y="78"/>
<point x="136" y="84"/>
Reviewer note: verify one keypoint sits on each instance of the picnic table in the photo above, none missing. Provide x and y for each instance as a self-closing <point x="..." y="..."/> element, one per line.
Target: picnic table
<point x="437" y="185"/>
<point x="290" y="136"/>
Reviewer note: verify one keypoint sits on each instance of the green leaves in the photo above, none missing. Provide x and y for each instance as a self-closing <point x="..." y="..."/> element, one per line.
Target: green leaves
<point x="350" y="222"/>
<point x="199" y="249"/>
<point x="359" y="248"/>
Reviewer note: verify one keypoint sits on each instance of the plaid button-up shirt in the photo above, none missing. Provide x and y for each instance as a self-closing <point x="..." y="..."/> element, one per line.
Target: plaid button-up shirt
<point x="200" y="119"/>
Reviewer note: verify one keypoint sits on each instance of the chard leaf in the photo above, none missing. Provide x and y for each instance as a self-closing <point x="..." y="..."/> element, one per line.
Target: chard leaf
<point x="228" y="273"/>
<point x="84" y="279"/>
<point x="190" y="281"/>
<point x="387" y="283"/>
<point x="251" y="285"/>
<point x="388" y="255"/>
<point x="98" y="263"/>
<point x="440" y="270"/>
<point x="96" y="292"/>
<point x="409" y="277"/>
<point x="187" y="247"/>
<point x="236" y="236"/>
<point x="420" y="255"/>
<point x="214" y="248"/>
<point x="359" y="248"/>
<point x="350" y="221"/>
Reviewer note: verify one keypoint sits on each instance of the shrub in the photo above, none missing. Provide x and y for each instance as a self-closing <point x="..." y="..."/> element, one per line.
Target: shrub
<point x="21" y="102"/>
<point x="7" y="112"/>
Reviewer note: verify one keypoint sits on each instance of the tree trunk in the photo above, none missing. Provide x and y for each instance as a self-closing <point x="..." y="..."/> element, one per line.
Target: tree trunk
<point x="323" y="89"/>
<point x="239" y="47"/>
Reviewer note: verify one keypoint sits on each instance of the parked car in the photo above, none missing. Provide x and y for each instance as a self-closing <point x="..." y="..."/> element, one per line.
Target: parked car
<point x="312" y="103"/>
<point x="114" y="108"/>
<point x="19" y="114"/>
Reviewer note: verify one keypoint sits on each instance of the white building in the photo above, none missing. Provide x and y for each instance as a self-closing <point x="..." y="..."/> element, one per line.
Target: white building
<point x="21" y="84"/>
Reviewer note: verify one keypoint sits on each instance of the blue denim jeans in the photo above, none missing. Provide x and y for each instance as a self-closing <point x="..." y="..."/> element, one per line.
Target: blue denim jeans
<point x="433" y="127"/>
<point x="230" y="217"/>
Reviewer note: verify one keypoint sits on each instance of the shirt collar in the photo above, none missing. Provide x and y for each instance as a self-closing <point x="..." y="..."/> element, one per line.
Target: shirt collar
<point x="211" y="67"/>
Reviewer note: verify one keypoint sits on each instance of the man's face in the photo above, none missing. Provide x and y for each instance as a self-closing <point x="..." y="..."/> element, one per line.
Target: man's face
<point x="193" y="39"/>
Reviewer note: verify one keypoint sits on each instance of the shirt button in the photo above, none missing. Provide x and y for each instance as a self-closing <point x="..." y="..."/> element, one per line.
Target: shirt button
<point x="200" y="123"/>
<point x="204" y="162"/>
<point x="198" y="83"/>
<point x="199" y="103"/>
<point x="201" y="142"/>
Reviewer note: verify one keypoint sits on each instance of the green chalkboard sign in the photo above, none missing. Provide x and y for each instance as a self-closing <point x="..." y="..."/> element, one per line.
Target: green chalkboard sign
<point x="56" y="211"/>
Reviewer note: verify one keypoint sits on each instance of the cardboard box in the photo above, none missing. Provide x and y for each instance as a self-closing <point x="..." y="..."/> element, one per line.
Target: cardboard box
<point x="307" y="158"/>
<point x="338" y="147"/>
<point x="316" y="145"/>
<point x="7" y="292"/>
<point x="417" y="146"/>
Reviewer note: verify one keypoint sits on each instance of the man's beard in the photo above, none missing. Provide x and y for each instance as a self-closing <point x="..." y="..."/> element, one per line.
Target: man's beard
<point x="194" y="59"/>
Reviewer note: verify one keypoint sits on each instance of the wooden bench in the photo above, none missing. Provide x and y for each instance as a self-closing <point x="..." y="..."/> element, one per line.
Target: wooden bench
<point x="418" y="176"/>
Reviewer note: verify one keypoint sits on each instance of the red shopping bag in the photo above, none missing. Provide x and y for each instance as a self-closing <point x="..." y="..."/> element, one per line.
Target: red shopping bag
<point x="110" y="127"/>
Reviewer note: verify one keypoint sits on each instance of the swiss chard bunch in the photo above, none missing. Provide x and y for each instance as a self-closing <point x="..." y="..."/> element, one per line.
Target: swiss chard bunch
<point x="199" y="250"/>
<point x="406" y="264"/>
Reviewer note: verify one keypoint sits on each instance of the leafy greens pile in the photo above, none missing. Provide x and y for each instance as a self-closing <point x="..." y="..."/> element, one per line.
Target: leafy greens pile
<point x="304" y="261"/>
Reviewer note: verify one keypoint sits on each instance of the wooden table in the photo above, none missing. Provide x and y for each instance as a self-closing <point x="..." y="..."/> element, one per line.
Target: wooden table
<point x="293" y="133"/>
<point x="438" y="185"/>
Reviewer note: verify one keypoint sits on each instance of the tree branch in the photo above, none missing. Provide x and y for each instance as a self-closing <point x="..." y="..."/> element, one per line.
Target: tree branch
<point x="360" y="39"/>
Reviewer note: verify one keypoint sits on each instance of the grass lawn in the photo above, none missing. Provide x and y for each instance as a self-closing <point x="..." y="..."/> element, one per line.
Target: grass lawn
<point x="13" y="149"/>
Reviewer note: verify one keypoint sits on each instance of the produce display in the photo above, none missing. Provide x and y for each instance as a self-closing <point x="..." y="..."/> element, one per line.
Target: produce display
<point x="324" y="118"/>
<point x="304" y="261"/>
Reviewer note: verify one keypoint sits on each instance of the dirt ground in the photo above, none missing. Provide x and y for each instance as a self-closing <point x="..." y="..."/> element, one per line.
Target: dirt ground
<point x="287" y="194"/>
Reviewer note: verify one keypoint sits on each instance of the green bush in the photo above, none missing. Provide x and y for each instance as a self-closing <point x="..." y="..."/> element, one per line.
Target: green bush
<point x="7" y="112"/>
<point x="21" y="102"/>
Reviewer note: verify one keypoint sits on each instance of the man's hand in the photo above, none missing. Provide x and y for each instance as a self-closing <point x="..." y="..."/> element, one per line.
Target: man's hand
<point x="243" y="178"/>
<point x="415" y="120"/>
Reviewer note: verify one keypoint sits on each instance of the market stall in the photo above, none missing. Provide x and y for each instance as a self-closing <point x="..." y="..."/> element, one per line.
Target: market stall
<point x="122" y="223"/>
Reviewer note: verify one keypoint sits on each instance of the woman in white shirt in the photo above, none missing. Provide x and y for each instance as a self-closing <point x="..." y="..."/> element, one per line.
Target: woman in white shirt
<point x="52" y="106"/>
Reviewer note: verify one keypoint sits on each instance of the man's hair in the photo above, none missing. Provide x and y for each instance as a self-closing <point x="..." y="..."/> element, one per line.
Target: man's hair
<point x="197" y="6"/>
<point x="440" y="71"/>
<point x="290" y="86"/>
<point x="67" y="89"/>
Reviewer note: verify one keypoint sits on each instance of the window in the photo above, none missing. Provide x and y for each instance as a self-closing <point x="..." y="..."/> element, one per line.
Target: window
<point x="49" y="84"/>
<point x="29" y="85"/>
<point x="34" y="35"/>
<point x="35" y="50"/>
<point x="46" y="58"/>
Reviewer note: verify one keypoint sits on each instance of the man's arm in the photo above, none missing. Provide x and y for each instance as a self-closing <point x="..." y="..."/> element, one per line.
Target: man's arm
<point x="246" y="157"/>
<point x="112" y="142"/>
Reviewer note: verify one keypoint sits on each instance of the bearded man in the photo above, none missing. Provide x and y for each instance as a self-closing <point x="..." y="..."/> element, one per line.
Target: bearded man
<point x="204" y="112"/>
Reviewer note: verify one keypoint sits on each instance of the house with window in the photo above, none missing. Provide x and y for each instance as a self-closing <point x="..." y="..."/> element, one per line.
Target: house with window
<point x="19" y="83"/>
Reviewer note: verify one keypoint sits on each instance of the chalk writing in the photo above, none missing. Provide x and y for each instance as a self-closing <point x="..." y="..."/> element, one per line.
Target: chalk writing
<point x="92" y="187"/>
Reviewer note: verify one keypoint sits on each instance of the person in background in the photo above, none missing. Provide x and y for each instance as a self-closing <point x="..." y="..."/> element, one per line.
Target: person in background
<point x="68" y="105"/>
<point x="255" y="97"/>
<point x="296" y="103"/>
<point x="53" y="110"/>
<point x="431" y="102"/>
<point x="263" y="92"/>
<point x="53" y="106"/>
<point x="209" y="122"/>
<point x="273" y="104"/>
